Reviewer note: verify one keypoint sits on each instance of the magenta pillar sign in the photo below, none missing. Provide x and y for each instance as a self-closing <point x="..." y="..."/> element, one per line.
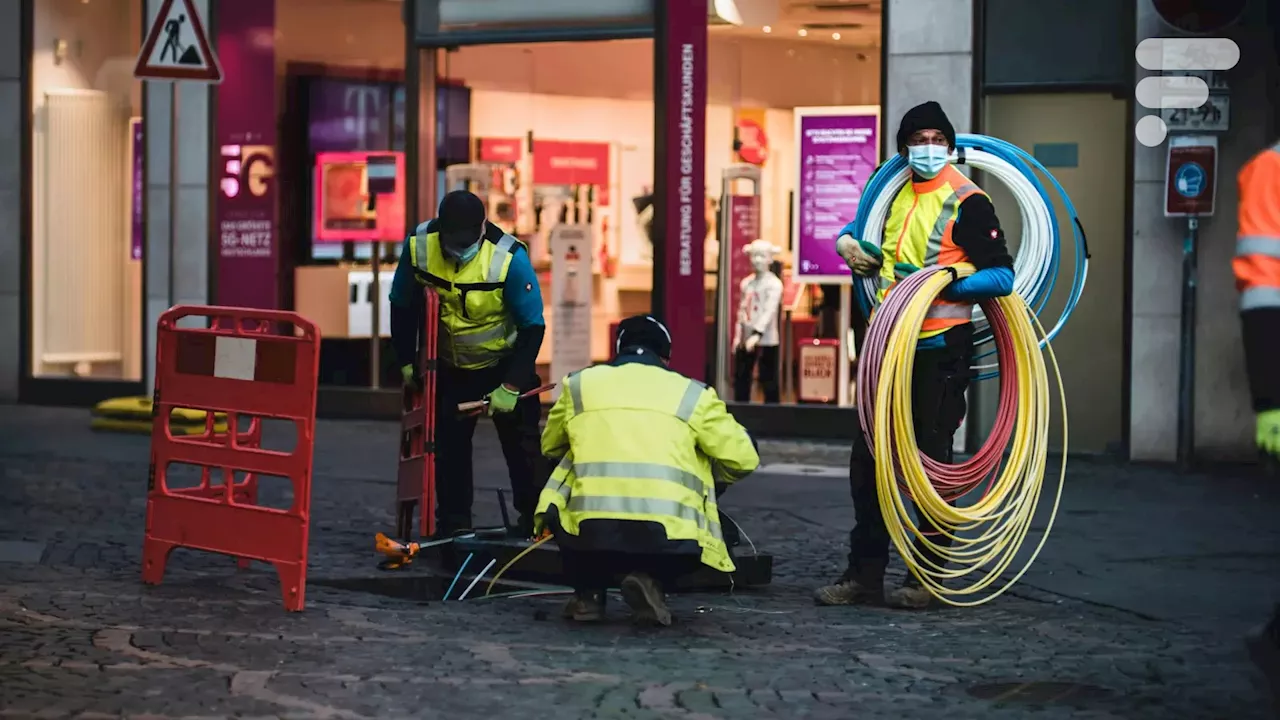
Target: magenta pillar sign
<point x="838" y="149"/>
<point x="679" y="295"/>
<point x="248" y="237"/>
<point x="137" y="226"/>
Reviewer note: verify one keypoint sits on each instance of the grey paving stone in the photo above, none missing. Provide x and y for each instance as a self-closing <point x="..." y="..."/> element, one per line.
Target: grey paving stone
<point x="20" y="551"/>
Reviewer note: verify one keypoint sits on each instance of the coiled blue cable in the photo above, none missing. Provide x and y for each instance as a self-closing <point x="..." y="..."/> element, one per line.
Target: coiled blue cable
<point x="1027" y="166"/>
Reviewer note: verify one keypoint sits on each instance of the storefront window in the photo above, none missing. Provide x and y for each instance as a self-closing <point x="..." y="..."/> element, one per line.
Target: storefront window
<point x="87" y="185"/>
<point x="560" y="146"/>
<point x="342" y="152"/>
<point x="779" y="201"/>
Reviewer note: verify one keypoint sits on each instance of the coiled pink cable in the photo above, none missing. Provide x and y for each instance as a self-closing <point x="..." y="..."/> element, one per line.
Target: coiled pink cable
<point x="950" y="480"/>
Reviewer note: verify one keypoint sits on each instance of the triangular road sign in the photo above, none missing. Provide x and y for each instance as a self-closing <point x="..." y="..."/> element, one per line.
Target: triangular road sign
<point x="177" y="47"/>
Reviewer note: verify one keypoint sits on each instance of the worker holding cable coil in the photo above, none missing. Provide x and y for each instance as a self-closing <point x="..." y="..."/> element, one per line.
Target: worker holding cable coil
<point x="939" y="218"/>
<point x="641" y="452"/>
<point x="1257" y="270"/>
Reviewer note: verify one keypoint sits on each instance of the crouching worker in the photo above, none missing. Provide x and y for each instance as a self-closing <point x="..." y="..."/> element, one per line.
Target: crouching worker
<point x="634" y="493"/>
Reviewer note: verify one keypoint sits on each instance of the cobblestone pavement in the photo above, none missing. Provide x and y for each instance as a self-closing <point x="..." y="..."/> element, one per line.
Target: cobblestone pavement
<point x="1136" y="606"/>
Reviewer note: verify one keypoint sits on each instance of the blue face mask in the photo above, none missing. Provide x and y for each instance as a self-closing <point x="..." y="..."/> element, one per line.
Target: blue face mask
<point x="927" y="160"/>
<point x="467" y="253"/>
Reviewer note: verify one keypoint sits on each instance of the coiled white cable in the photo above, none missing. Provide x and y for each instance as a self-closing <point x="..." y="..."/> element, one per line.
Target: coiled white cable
<point x="1035" y="253"/>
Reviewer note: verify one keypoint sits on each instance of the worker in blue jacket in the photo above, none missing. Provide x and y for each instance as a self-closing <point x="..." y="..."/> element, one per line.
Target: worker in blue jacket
<point x="942" y="218"/>
<point x="490" y="331"/>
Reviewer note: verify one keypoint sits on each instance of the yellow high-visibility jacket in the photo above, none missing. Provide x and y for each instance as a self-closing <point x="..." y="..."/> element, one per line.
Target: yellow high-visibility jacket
<point x="637" y="443"/>
<point x="476" y="330"/>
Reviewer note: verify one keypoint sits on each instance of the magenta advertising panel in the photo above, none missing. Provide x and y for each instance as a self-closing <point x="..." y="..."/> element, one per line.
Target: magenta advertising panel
<point x="744" y="228"/>
<point x="839" y="149"/>
<point x="348" y="115"/>
<point x="248" y="248"/>
<point x="682" y="185"/>
<point x="137" y="228"/>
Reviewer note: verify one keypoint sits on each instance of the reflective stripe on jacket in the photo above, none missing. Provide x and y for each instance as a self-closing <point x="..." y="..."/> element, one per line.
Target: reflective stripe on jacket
<point x="476" y="330"/>
<point x="638" y="443"/>
<point x="918" y="232"/>
<point x="1257" y="261"/>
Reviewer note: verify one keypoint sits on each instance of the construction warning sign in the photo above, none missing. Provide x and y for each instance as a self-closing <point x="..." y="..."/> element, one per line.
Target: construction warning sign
<point x="177" y="47"/>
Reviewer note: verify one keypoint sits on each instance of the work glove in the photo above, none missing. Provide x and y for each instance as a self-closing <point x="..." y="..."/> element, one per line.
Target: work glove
<point x="902" y="270"/>
<point x="862" y="257"/>
<point x="753" y="341"/>
<point x="1269" y="432"/>
<point x="410" y="376"/>
<point x="503" y="399"/>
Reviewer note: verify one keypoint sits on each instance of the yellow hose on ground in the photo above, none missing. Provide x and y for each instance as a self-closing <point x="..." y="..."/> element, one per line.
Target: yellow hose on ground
<point x="513" y="561"/>
<point x="997" y="524"/>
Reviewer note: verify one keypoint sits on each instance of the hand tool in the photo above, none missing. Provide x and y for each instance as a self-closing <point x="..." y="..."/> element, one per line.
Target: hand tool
<point x="475" y="407"/>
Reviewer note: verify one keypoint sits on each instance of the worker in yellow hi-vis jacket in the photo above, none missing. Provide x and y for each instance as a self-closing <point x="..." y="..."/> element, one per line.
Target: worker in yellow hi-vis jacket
<point x="641" y="450"/>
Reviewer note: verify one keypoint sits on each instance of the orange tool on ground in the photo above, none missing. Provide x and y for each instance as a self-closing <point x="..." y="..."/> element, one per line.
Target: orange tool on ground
<point x="400" y="554"/>
<point x="475" y="407"/>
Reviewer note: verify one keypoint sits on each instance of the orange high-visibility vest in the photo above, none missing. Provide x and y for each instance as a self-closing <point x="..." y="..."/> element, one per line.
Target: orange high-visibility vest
<point x="918" y="232"/>
<point x="1257" y="261"/>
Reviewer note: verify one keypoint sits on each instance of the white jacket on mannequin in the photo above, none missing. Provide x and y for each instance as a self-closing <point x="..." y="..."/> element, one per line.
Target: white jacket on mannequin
<point x="760" y="300"/>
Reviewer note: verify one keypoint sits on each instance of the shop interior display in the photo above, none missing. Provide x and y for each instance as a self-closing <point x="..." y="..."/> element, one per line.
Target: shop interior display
<point x="537" y="170"/>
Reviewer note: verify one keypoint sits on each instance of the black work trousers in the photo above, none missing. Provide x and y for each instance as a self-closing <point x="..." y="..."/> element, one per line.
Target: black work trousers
<point x="938" y="385"/>
<point x="591" y="571"/>
<point x="744" y="366"/>
<point x="518" y="433"/>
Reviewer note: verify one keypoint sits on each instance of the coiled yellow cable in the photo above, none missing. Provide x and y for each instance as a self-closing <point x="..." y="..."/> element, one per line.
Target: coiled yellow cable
<point x="987" y="535"/>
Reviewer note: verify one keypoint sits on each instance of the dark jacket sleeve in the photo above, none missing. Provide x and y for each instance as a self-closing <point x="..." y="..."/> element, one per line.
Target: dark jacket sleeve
<point x="977" y="231"/>
<point x="1261" y="335"/>
<point x="406" y="324"/>
<point x="522" y="371"/>
<point x="406" y="310"/>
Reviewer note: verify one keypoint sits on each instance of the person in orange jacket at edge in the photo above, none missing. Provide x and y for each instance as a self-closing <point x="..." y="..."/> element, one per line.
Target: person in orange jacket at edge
<point x="938" y="218"/>
<point x="1257" y="270"/>
<point x="490" y="331"/>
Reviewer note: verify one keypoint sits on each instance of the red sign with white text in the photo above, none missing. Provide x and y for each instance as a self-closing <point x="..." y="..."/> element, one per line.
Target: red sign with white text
<point x="570" y="163"/>
<point x="744" y="229"/>
<point x="500" y="150"/>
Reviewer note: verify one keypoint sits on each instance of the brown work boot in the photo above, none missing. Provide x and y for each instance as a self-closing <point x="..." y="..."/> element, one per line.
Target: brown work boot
<point x="583" y="608"/>
<point x="644" y="596"/>
<point x="909" y="596"/>
<point x="860" y="589"/>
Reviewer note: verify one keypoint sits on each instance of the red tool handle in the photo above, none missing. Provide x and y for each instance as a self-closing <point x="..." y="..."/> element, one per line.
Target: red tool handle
<point x="475" y="406"/>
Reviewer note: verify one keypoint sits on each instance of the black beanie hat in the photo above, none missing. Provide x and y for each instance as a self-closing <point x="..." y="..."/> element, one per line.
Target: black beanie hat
<point x="926" y="116"/>
<point x="460" y="219"/>
<point x="646" y="332"/>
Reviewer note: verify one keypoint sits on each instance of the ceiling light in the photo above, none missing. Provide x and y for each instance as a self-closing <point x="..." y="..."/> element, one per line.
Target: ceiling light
<point x="835" y="36"/>
<point x="768" y="29"/>
<point x="803" y="32"/>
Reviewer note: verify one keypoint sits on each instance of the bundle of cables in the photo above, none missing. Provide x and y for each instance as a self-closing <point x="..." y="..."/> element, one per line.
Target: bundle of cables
<point x="982" y="538"/>
<point x="1036" y="262"/>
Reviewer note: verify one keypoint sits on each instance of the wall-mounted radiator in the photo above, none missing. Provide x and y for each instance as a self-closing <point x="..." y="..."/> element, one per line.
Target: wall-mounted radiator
<point x="80" y="236"/>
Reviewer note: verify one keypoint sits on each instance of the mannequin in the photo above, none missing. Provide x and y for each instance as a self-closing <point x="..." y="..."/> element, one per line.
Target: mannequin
<point x="755" y="335"/>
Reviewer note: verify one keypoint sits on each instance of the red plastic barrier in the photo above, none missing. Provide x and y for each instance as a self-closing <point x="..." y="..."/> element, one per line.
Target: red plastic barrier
<point x="243" y="366"/>
<point x="416" y="477"/>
